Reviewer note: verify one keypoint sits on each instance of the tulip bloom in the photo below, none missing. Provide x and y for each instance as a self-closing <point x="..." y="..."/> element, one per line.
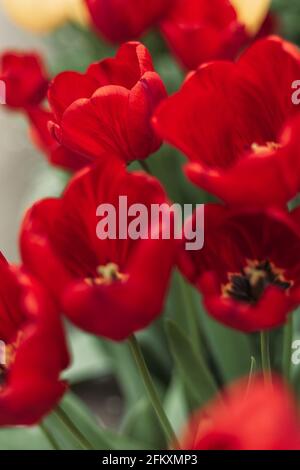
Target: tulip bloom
<point x="107" y="111"/>
<point x="35" y="350"/>
<point x="262" y="418"/>
<point x="200" y="30"/>
<point x="111" y="287"/>
<point x="56" y="153"/>
<point x="248" y="271"/>
<point x="44" y="16"/>
<point x="123" y="20"/>
<point x="234" y="122"/>
<point x="25" y="79"/>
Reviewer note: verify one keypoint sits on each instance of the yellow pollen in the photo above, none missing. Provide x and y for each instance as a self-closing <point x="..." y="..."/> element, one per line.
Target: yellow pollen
<point x="107" y="275"/>
<point x="262" y="149"/>
<point x="9" y="357"/>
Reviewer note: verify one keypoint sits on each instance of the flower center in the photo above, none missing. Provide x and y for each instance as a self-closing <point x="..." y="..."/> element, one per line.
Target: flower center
<point x="7" y="357"/>
<point x="249" y="285"/>
<point x="262" y="149"/>
<point x="107" y="274"/>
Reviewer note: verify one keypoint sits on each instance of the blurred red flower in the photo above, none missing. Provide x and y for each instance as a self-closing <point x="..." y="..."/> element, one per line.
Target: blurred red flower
<point x="249" y="269"/>
<point x="25" y="79"/>
<point x="261" y="418"/>
<point x="122" y="20"/>
<point x="234" y="123"/>
<point x="199" y="31"/>
<point x="108" y="110"/>
<point x="110" y="287"/>
<point x="35" y="349"/>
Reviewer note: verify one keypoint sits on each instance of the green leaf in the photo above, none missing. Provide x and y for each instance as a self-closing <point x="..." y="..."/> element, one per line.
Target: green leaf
<point x="80" y="416"/>
<point x="191" y="366"/>
<point x="23" y="439"/>
<point x="231" y="350"/>
<point x="63" y="436"/>
<point x="141" y="424"/>
<point x="183" y="310"/>
<point x="124" y="369"/>
<point x="90" y="359"/>
<point x="175" y="404"/>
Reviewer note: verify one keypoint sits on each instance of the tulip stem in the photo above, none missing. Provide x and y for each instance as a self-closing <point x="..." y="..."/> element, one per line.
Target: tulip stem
<point x="72" y="428"/>
<point x="265" y="356"/>
<point x="287" y="349"/>
<point x="49" y="436"/>
<point x="145" y="167"/>
<point x="152" y="393"/>
<point x="251" y="374"/>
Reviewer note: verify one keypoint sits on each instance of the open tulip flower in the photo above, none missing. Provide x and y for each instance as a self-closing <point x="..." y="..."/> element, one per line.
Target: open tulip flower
<point x="35" y="352"/>
<point x="247" y="280"/>
<point x="108" y="287"/>
<point x="252" y="418"/>
<point x="223" y="120"/>
<point x="107" y="110"/>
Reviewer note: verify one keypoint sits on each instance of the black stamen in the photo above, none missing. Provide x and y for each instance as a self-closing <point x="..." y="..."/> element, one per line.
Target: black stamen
<point x="250" y="284"/>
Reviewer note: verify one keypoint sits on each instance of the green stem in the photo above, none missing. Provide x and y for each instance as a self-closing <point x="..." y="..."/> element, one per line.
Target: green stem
<point x="49" y="436"/>
<point x="145" y="166"/>
<point x="265" y="356"/>
<point x="287" y="349"/>
<point x="192" y="316"/>
<point x="251" y="374"/>
<point x="62" y="415"/>
<point x="152" y="393"/>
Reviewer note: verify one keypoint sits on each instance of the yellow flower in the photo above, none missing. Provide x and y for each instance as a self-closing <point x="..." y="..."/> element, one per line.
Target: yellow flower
<point x="252" y="13"/>
<point x="44" y="15"/>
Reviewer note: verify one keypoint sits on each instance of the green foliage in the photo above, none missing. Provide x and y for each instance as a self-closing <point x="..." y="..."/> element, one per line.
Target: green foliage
<point x="288" y="16"/>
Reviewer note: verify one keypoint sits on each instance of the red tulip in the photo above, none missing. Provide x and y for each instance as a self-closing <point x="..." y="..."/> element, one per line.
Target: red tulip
<point x="199" y="31"/>
<point x="44" y="140"/>
<point x="248" y="270"/>
<point x="122" y="20"/>
<point x="234" y="123"/>
<point x="35" y="350"/>
<point x="108" y="110"/>
<point x="25" y="79"/>
<point x="261" y="418"/>
<point x="110" y="287"/>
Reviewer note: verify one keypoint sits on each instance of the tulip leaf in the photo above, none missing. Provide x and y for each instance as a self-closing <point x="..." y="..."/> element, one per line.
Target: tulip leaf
<point x="231" y="350"/>
<point x="191" y="366"/>
<point x="24" y="439"/>
<point x="175" y="404"/>
<point x="63" y="435"/>
<point x="141" y="424"/>
<point x="124" y="368"/>
<point x="89" y="358"/>
<point x="95" y="434"/>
